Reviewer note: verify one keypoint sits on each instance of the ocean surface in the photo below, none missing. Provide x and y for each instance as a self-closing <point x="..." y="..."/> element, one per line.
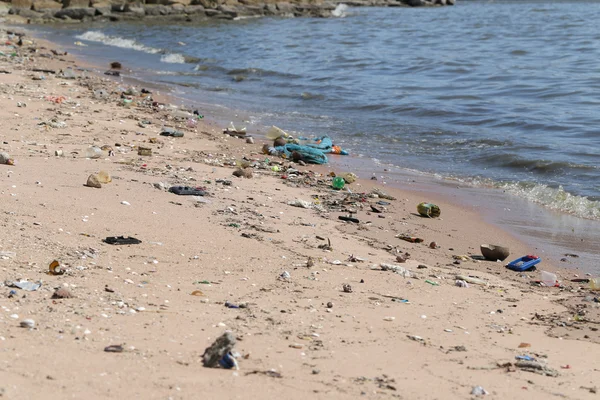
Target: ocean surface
<point x="500" y="95"/>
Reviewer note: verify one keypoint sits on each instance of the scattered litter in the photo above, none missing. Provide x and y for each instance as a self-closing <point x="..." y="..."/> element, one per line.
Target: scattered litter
<point x="231" y="130"/>
<point x="549" y="279"/>
<point x="429" y="210"/>
<point x="285" y="276"/>
<point x="461" y="283"/>
<point x="396" y="269"/>
<point x="494" y="252"/>
<point x="347" y="288"/>
<point x="5" y="159"/>
<point x="536" y="367"/>
<point x="114" y="348"/>
<point x="231" y="305"/>
<point x="27" y="323"/>
<point x="188" y="191"/>
<point x="416" y="338"/>
<point x="55" y="268"/>
<point x="525" y="358"/>
<point x="479" y="391"/>
<point x="301" y="203"/>
<point x="219" y="350"/>
<point x="470" y="279"/>
<point x="228" y="361"/>
<point x="5" y="255"/>
<point x="25" y="285"/>
<point x="525" y="263"/>
<point x="269" y="373"/>
<point x="349" y="218"/>
<point x="171" y="132"/>
<point x="433" y="283"/>
<point x="338" y="183"/>
<point x="121" y="240"/>
<point x="410" y="239"/>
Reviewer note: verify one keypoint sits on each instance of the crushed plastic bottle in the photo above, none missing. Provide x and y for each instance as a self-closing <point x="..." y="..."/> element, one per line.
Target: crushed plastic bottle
<point x="93" y="152"/>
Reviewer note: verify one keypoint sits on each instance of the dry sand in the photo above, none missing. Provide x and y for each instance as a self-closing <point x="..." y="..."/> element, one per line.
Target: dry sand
<point x="368" y="344"/>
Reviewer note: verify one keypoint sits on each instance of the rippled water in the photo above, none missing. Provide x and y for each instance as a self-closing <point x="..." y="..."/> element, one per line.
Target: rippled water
<point x="498" y="94"/>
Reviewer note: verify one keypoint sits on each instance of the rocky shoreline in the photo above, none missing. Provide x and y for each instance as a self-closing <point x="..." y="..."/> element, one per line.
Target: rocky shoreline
<point x="76" y="11"/>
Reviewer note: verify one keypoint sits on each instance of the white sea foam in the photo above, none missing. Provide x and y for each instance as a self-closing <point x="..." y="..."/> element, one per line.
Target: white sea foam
<point x="555" y="199"/>
<point x="116" y="41"/>
<point x="173" y="58"/>
<point x="340" y="10"/>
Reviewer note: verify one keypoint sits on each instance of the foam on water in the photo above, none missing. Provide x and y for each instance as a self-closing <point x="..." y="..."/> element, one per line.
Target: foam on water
<point x="555" y="199"/>
<point x="116" y="41"/>
<point x="340" y="11"/>
<point x="173" y="58"/>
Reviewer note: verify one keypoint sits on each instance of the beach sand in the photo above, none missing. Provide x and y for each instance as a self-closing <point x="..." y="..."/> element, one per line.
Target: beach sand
<point x="393" y="336"/>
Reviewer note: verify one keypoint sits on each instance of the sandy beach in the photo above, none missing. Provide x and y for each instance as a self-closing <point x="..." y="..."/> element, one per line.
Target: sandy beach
<point x="339" y="326"/>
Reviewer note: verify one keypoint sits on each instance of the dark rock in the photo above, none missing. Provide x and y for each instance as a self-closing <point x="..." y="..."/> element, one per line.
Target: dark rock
<point x="103" y="9"/>
<point x="270" y="9"/>
<point x="286" y="8"/>
<point x="416" y="3"/>
<point x="76" y="3"/>
<point x="29" y="13"/>
<point x="21" y="4"/>
<point x="117" y="7"/>
<point x="46" y="5"/>
<point x="194" y="10"/>
<point x="135" y="8"/>
<point x="253" y="10"/>
<point x="207" y="3"/>
<point x="228" y="10"/>
<point x="157" y="9"/>
<point x="75" y="13"/>
<point x="177" y="9"/>
<point x="211" y="12"/>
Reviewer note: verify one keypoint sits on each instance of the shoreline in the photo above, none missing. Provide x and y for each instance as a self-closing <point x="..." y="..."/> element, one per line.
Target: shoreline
<point x="557" y="233"/>
<point x="241" y="240"/>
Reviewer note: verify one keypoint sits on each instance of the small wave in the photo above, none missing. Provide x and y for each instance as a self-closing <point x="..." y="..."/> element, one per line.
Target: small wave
<point x="259" y="72"/>
<point x="173" y="58"/>
<point x="116" y="41"/>
<point x="555" y="199"/>
<point x="542" y="166"/>
<point x="340" y="11"/>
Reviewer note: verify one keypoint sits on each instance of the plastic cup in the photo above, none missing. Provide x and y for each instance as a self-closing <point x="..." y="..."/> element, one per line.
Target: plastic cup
<point x="549" y="279"/>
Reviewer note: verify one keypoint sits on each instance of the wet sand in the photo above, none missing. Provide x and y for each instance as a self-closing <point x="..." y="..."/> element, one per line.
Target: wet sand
<point x="414" y="335"/>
